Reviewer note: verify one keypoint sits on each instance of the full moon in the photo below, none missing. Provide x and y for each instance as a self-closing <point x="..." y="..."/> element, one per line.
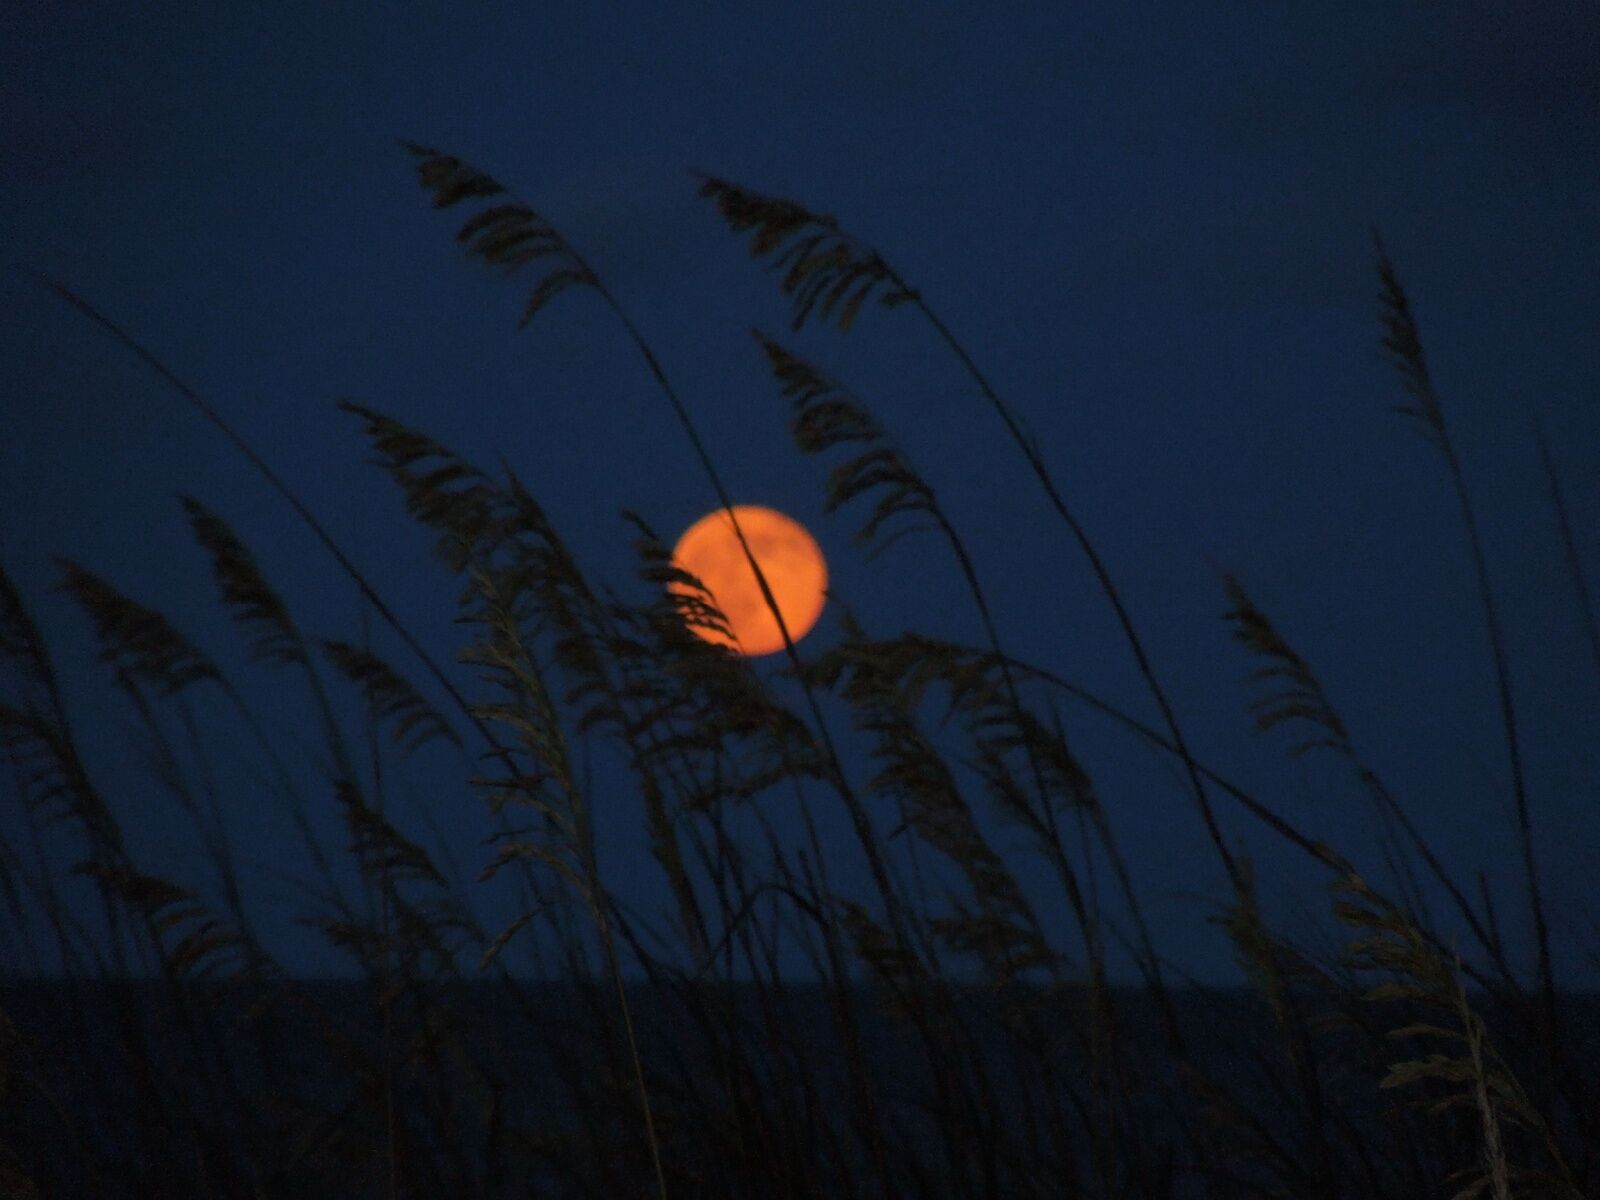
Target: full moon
<point x="790" y="560"/>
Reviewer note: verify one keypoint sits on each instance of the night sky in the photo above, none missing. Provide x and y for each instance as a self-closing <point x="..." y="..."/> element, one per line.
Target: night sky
<point x="1148" y="223"/>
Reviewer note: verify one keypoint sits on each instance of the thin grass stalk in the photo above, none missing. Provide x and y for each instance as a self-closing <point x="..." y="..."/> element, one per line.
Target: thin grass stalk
<point x="218" y="842"/>
<point x="1569" y="544"/>
<point x="294" y="803"/>
<point x="1513" y="744"/>
<point x="1494" y="1155"/>
<point x="272" y="477"/>
<point x="1102" y="575"/>
<point x="375" y="760"/>
<point x="1403" y="342"/>
<point x="1482" y="929"/>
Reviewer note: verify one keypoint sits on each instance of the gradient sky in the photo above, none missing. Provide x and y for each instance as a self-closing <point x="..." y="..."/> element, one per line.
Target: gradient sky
<point x="1149" y="223"/>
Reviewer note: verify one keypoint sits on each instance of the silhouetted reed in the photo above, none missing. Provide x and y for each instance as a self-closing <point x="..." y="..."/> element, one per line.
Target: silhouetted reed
<point x="952" y="1041"/>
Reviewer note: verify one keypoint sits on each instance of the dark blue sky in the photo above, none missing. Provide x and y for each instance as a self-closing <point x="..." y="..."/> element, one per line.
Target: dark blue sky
<point x="1149" y="223"/>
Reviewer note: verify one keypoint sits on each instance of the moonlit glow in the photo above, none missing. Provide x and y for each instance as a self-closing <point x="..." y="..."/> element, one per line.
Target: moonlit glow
<point x="789" y="557"/>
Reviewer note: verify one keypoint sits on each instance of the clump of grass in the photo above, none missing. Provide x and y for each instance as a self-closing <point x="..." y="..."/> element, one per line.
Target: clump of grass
<point x="1016" y="1070"/>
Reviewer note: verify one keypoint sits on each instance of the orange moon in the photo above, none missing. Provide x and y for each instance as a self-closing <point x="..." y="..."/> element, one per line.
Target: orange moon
<point x="789" y="557"/>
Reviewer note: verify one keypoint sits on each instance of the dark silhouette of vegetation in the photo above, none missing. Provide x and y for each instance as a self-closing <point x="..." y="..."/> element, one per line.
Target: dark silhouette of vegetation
<point x="953" y="1042"/>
